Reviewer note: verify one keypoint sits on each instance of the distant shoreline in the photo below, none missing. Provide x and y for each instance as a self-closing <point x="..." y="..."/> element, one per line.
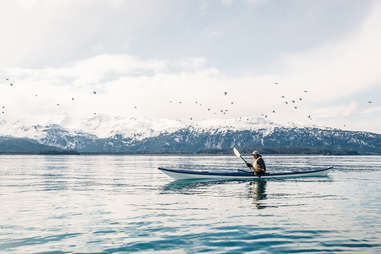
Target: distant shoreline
<point x="188" y="154"/>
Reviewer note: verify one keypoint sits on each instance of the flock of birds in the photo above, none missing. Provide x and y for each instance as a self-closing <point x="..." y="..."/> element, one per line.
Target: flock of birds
<point x="293" y="103"/>
<point x="209" y="108"/>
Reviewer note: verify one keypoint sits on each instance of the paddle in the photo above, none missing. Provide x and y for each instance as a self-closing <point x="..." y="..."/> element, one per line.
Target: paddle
<point x="236" y="152"/>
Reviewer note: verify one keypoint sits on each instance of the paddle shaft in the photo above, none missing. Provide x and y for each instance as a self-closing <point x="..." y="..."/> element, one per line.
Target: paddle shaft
<point x="243" y="158"/>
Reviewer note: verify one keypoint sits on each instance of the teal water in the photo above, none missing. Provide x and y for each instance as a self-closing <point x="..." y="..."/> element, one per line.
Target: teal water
<point x="123" y="204"/>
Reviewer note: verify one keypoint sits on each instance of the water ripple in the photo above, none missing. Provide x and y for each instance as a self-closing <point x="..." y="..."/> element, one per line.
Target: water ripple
<point x="117" y="204"/>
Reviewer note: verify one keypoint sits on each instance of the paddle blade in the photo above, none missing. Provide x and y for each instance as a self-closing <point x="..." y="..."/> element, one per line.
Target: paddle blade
<point x="236" y="152"/>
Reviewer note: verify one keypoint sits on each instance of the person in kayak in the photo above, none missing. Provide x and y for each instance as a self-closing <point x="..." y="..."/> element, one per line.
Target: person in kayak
<point x="258" y="165"/>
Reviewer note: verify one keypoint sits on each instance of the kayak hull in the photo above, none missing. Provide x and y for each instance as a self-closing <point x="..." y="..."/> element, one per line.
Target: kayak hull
<point x="192" y="174"/>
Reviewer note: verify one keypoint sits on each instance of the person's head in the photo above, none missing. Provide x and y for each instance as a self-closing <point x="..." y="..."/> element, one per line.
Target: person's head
<point x="255" y="154"/>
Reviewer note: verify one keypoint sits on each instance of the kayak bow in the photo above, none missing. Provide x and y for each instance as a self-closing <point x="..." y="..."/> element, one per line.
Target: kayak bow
<point x="193" y="174"/>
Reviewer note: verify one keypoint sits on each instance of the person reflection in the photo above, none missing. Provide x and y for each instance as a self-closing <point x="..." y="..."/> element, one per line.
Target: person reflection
<point x="258" y="192"/>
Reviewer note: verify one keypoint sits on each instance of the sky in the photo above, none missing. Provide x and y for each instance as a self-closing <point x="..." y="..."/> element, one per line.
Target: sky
<point x="69" y="60"/>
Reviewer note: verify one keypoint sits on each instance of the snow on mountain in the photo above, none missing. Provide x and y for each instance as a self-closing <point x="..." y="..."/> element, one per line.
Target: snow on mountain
<point x="134" y="129"/>
<point x="37" y="131"/>
<point x="21" y="130"/>
<point x="139" y="128"/>
<point x="104" y="126"/>
<point x="110" y="134"/>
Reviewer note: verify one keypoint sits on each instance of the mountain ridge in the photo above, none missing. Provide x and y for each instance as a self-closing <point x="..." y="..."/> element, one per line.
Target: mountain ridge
<point x="196" y="138"/>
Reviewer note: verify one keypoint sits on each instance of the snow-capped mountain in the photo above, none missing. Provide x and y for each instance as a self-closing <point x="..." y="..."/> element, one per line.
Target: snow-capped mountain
<point x="106" y="134"/>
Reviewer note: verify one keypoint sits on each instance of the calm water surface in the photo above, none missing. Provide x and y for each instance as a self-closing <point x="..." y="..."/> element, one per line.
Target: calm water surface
<point x="117" y="204"/>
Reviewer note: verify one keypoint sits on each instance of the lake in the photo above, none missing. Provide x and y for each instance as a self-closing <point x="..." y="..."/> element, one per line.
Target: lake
<point x="116" y="204"/>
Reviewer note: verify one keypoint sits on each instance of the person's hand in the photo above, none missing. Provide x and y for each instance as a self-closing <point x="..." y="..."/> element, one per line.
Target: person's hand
<point x="249" y="165"/>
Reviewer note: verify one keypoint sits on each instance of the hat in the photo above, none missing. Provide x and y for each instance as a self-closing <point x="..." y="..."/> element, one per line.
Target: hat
<point x="255" y="153"/>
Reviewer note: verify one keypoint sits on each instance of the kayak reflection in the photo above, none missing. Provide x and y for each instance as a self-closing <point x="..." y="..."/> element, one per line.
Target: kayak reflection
<point x="256" y="188"/>
<point x="189" y="186"/>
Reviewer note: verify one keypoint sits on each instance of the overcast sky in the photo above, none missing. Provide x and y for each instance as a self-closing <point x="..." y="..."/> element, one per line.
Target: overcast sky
<point x="143" y="57"/>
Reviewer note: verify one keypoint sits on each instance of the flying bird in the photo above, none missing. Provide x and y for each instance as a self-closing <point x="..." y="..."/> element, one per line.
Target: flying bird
<point x="226" y="93"/>
<point x="305" y="91"/>
<point x="276" y="83"/>
<point x="370" y="102"/>
<point x="300" y="99"/>
<point x="94" y="92"/>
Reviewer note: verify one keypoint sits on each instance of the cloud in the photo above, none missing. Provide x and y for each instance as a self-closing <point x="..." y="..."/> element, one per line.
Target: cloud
<point x="346" y="110"/>
<point x="373" y="110"/>
<point x="226" y="2"/>
<point x="121" y="82"/>
<point x="44" y="33"/>
<point x="256" y="1"/>
<point x="230" y="2"/>
<point x="53" y="33"/>
<point x="342" y="68"/>
<point x="329" y="72"/>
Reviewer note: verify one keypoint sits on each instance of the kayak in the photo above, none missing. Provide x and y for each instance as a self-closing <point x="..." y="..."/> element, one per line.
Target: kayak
<point x="239" y="174"/>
